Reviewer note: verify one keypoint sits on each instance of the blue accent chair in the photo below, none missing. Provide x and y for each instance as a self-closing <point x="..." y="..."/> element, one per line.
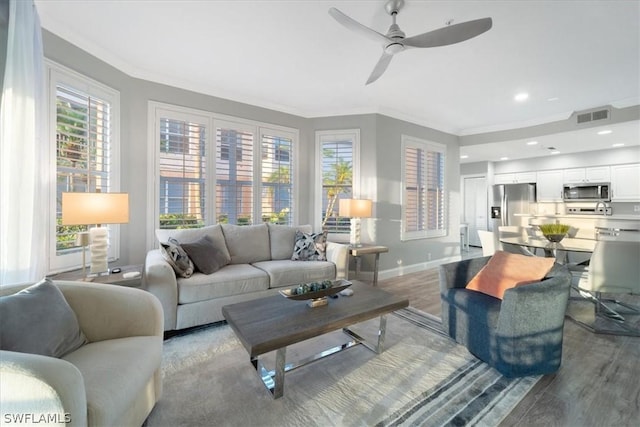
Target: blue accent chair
<point x="520" y="335"/>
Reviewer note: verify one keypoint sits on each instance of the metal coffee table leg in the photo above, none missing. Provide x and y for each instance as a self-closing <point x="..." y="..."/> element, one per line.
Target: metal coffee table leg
<point x="274" y="380"/>
<point x="379" y="346"/>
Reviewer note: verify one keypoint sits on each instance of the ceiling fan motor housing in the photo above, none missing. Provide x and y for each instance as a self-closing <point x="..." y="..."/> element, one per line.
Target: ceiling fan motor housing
<point x="393" y="6"/>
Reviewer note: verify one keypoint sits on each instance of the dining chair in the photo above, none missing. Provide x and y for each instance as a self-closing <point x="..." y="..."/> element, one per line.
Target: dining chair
<point x="514" y="231"/>
<point x="614" y="268"/>
<point x="488" y="242"/>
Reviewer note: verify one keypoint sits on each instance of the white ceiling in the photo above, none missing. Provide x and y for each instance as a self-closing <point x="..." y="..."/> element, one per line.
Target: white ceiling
<point x="291" y="56"/>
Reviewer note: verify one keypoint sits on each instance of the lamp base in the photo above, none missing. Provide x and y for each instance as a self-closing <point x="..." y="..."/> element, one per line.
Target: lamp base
<point x="98" y="249"/>
<point x="354" y="236"/>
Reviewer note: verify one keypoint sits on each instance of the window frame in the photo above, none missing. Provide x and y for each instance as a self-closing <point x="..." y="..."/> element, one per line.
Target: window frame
<point x="424" y="233"/>
<point x="58" y="74"/>
<point x="214" y="121"/>
<point x="329" y="136"/>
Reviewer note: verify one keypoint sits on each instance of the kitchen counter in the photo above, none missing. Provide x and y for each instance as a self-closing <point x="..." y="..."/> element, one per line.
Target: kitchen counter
<point x="586" y="226"/>
<point x="586" y="216"/>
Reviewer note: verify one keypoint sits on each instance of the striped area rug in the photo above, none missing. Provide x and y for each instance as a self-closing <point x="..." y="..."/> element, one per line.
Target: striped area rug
<point x="422" y="378"/>
<point x="473" y="395"/>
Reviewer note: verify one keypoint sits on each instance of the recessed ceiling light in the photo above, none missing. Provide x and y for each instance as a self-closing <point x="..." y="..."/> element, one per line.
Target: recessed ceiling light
<point x="555" y="98"/>
<point x="532" y="142"/>
<point x="618" y="144"/>
<point x="605" y="132"/>
<point x="555" y="152"/>
<point x="504" y="158"/>
<point x="464" y="156"/>
<point x="522" y="96"/>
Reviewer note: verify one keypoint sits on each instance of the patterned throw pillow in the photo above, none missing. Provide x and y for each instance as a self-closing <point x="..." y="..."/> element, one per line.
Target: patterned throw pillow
<point x="310" y="247"/>
<point x="177" y="257"/>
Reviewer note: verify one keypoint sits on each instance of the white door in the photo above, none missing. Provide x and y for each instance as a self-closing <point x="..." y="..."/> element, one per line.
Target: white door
<point x="475" y="206"/>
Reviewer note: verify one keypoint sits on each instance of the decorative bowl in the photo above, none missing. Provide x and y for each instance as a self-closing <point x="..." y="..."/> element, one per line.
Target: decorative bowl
<point x="335" y="287"/>
<point x="554" y="238"/>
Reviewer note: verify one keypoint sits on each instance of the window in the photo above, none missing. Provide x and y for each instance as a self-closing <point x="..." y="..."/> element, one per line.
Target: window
<point x="182" y="165"/>
<point x="423" y="191"/>
<point x="277" y="178"/>
<point x="218" y="169"/>
<point x="85" y="127"/>
<point x="234" y="173"/>
<point x="337" y="152"/>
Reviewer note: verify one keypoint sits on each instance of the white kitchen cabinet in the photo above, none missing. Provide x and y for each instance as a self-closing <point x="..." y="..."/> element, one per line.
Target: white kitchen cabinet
<point x="514" y="178"/>
<point x="593" y="174"/>
<point x="625" y="183"/>
<point x="549" y="186"/>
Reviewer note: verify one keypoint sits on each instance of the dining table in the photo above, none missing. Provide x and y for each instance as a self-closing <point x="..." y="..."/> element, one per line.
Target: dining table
<point x="557" y="250"/>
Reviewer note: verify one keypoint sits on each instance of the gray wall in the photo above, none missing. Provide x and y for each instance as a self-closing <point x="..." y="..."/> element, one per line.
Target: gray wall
<point x="134" y="96"/>
<point x="413" y="252"/>
<point x="380" y="157"/>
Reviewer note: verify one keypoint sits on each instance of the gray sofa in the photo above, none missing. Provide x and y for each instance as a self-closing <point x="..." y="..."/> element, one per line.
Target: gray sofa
<point x="113" y="379"/>
<point x="260" y="265"/>
<point x="519" y="335"/>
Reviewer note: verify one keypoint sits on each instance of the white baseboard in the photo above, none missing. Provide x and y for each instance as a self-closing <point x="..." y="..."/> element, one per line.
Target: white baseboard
<point x="404" y="270"/>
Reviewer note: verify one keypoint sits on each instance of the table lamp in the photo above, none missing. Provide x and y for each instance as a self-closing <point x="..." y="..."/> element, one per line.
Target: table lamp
<point x="96" y="209"/>
<point x="355" y="209"/>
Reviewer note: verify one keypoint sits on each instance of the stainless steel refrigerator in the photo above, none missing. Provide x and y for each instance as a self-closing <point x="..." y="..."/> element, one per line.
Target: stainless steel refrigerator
<point x="508" y="200"/>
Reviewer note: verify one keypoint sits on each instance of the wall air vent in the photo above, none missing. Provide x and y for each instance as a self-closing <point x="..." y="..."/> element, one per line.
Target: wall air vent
<point x="592" y="115"/>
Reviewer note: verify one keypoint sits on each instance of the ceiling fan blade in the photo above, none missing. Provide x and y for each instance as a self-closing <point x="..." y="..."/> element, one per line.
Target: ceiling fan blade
<point x="450" y="34"/>
<point x="380" y="67"/>
<point x="358" y="27"/>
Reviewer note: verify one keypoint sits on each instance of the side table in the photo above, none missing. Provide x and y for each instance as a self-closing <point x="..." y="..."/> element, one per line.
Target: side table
<point x="111" y="279"/>
<point x="376" y="250"/>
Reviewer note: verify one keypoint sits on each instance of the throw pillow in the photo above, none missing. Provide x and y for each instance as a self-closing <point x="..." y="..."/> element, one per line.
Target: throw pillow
<point x="39" y="320"/>
<point x="282" y="238"/>
<point x="177" y="257"/>
<point x="310" y="247"/>
<point x="506" y="270"/>
<point x="206" y="257"/>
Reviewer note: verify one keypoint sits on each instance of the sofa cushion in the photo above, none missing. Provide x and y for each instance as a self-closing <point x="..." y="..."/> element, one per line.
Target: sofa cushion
<point x="177" y="257"/>
<point x="506" y="270"/>
<point x="39" y="320"/>
<point x="232" y="279"/>
<point x="247" y="243"/>
<point x="192" y="234"/>
<point x="206" y="256"/>
<point x="115" y="372"/>
<point x="282" y="238"/>
<point x="310" y="246"/>
<point x="287" y="272"/>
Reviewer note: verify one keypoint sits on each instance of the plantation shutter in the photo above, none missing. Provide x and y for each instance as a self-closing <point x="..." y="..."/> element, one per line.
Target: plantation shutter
<point x="277" y="179"/>
<point x="423" y="201"/>
<point x="337" y="183"/>
<point x="435" y="191"/>
<point x="234" y="175"/>
<point x="83" y="152"/>
<point x="414" y="189"/>
<point x="182" y="169"/>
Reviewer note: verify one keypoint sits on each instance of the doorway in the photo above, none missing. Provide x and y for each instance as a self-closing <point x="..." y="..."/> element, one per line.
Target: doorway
<point x="474" y="193"/>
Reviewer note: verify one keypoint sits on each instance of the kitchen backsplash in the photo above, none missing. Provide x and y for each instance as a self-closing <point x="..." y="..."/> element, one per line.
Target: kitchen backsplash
<point x="560" y="208"/>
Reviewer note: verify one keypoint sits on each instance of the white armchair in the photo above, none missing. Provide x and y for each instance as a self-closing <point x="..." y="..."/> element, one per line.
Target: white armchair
<point x="113" y="380"/>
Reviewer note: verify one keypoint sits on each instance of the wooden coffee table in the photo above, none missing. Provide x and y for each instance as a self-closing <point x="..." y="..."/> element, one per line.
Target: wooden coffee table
<point x="273" y="323"/>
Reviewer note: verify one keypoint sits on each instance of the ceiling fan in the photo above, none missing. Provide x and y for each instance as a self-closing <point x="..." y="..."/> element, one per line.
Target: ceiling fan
<point x="395" y="41"/>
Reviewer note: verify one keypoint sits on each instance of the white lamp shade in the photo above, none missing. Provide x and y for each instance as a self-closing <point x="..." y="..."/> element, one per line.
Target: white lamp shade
<point x="355" y="208"/>
<point x="95" y="208"/>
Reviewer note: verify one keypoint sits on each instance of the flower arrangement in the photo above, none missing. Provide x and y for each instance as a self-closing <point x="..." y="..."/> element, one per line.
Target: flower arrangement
<point x="554" y="232"/>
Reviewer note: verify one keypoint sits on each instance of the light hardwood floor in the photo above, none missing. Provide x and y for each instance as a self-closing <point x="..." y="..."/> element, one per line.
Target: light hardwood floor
<point x="598" y="383"/>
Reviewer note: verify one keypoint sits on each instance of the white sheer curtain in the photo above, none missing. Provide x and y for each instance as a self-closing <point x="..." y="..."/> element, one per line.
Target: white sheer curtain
<point x="24" y="151"/>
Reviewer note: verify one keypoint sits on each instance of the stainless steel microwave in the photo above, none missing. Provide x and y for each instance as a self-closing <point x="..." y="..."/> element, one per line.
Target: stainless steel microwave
<point x="587" y="192"/>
